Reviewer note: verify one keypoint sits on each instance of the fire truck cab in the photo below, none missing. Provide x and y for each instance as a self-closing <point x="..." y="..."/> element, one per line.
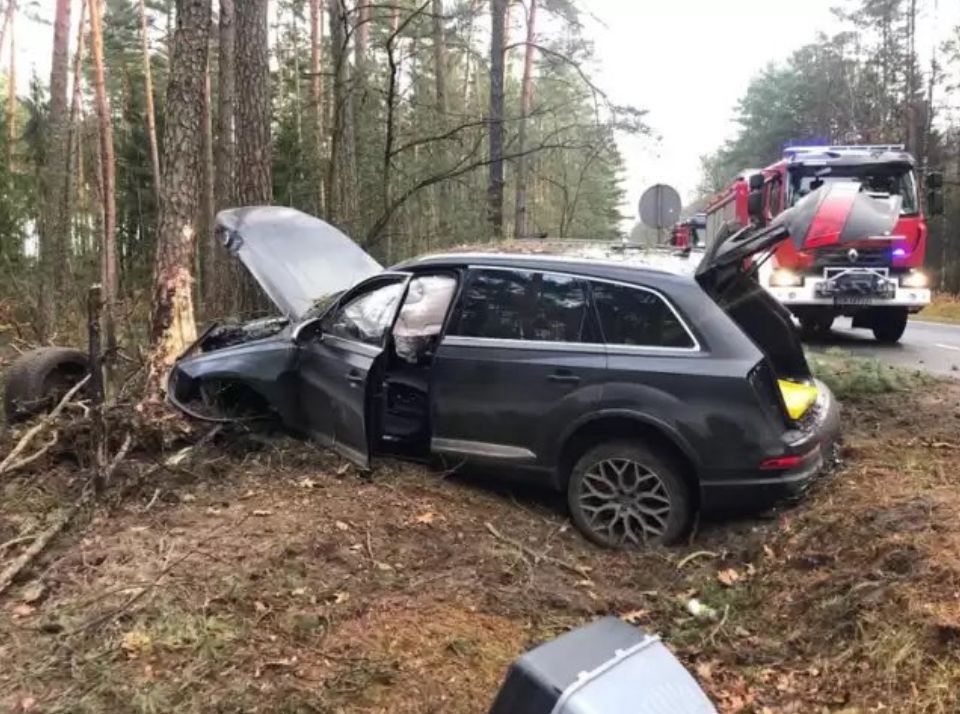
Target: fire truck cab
<point x="879" y="281"/>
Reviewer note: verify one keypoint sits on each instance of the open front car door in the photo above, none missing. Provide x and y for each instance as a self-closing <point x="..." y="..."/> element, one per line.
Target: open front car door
<point x="340" y="360"/>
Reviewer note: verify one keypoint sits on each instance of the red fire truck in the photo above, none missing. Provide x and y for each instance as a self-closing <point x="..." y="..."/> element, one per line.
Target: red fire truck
<point x="878" y="282"/>
<point x="689" y="233"/>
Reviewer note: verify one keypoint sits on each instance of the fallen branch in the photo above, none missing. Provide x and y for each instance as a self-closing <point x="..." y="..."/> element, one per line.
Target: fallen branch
<point x="37" y="547"/>
<point x="44" y="538"/>
<point x="537" y="557"/>
<point x="40" y="426"/>
<point x="693" y="556"/>
<point x="54" y="438"/>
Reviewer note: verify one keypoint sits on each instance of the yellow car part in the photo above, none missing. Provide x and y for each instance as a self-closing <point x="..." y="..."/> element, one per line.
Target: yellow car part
<point x="798" y="397"/>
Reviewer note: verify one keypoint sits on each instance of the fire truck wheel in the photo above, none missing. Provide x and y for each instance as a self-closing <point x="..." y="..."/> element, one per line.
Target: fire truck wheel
<point x="815" y="325"/>
<point x="889" y="324"/>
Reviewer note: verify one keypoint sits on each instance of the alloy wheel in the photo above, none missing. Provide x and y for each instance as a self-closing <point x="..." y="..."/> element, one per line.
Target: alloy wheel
<point x="625" y="502"/>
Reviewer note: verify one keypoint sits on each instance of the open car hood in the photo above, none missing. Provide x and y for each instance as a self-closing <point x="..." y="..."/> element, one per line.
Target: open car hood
<point x="835" y="213"/>
<point x="296" y="258"/>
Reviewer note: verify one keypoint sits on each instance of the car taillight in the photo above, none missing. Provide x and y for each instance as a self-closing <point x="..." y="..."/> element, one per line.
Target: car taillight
<point x="787" y="462"/>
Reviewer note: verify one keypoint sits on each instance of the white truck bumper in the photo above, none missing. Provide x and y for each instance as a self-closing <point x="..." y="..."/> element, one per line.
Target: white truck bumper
<point x="808" y="294"/>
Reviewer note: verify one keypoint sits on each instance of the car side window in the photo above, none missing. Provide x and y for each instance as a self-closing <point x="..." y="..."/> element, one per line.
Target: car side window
<point x="524" y="305"/>
<point x="365" y="317"/>
<point x="633" y="316"/>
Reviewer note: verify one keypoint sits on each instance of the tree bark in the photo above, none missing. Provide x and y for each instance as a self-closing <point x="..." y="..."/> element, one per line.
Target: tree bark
<point x="11" y="108"/>
<point x="148" y="92"/>
<point x="362" y="32"/>
<point x="526" y="99"/>
<point x="316" y="104"/>
<point x="254" y="174"/>
<point x="108" y="246"/>
<point x="208" y="200"/>
<point x="340" y="176"/>
<point x="498" y="10"/>
<point x="54" y="223"/>
<point x="74" y="155"/>
<point x="172" y="325"/>
<point x="440" y="93"/>
<point x="221" y="271"/>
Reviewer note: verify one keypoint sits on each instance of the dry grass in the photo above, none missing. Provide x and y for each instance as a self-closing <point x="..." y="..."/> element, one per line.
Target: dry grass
<point x="269" y="578"/>
<point x="944" y="308"/>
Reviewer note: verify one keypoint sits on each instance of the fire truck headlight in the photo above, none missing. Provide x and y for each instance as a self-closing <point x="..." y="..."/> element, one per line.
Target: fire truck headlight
<point x="915" y="279"/>
<point x="783" y="278"/>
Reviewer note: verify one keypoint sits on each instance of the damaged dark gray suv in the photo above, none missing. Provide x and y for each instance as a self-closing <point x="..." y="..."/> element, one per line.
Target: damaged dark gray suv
<point x="646" y="393"/>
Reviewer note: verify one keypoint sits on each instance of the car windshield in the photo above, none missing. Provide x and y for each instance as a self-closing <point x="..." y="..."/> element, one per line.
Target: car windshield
<point x="323" y="304"/>
<point x="878" y="182"/>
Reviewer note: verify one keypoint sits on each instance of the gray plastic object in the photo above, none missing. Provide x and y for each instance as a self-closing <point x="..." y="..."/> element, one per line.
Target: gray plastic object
<point x="607" y="667"/>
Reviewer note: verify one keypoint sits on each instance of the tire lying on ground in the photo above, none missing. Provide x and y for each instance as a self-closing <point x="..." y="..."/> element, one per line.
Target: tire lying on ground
<point x="38" y="379"/>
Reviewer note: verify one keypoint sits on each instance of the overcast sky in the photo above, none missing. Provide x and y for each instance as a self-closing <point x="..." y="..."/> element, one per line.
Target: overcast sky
<point x="685" y="61"/>
<point x="688" y="61"/>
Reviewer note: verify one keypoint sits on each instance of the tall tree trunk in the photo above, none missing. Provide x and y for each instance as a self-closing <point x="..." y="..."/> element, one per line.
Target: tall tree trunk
<point x="340" y="174"/>
<point x="254" y="156"/>
<point x="11" y="109"/>
<point x="108" y="246"/>
<point x="222" y="272"/>
<point x="254" y="174"/>
<point x="172" y="325"/>
<point x="74" y="155"/>
<point x="316" y="104"/>
<point x="498" y="10"/>
<point x="526" y="99"/>
<point x="208" y="195"/>
<point x="148" y="92"/>
<point x="8" y="20"/>
<point x="54" y="223"/>
<point x="362" y="34"/>
<point x="440" y="92"/>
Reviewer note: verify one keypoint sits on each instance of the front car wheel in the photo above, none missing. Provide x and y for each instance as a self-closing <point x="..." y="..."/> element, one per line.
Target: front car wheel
<point x="622" y="494"/>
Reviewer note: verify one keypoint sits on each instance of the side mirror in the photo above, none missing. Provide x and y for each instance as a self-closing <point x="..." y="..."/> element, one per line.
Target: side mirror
<point x="935" y="180"/>
<point x="755" y="205"/>
<point x="934" y="202"/>
<point x="305" y="330"/>
<point x="755" y="182"/>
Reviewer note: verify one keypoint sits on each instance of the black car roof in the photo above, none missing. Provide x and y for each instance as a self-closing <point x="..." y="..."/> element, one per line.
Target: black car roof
<point x="626" y="270"/>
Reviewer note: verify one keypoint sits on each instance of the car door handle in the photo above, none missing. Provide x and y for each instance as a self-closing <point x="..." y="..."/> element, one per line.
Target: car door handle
<point x="564" y="377"/>
<point x="355" y="377"/>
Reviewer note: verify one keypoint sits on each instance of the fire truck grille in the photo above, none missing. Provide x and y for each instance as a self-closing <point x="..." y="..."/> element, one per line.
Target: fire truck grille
<point x="839" y="257"/>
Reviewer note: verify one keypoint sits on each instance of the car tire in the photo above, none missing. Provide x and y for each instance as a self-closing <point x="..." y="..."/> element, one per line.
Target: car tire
<point x="889" y="325"/>
<point x="816" y="326"/>
<point x="40" y="377"/>
<point x="624" y="494"/>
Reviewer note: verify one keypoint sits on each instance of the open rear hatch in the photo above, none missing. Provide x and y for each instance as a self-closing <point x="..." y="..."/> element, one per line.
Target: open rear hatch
<point x="834" y="214"/>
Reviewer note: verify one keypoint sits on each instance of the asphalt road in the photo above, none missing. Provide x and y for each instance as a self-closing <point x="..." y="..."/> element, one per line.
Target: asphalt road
<point x="931" y="346"/>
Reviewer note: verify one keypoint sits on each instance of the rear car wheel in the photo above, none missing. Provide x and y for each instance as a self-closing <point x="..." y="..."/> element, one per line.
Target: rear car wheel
<point x="622" y="494"/>
<point x="39" y="378"/>
<point x="889" y="325"/>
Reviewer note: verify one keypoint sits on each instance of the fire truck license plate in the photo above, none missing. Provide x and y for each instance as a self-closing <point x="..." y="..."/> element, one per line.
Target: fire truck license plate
<point x="854" y="300"/>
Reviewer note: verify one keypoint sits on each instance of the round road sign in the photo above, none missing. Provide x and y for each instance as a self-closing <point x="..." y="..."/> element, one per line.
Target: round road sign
<point x="660" y="206"/>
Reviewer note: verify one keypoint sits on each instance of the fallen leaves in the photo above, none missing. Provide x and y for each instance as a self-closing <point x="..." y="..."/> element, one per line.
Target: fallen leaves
<point x="134" y="642"/>
<point x="728" y="577"/>
<point x="635" y="617"/>
<point x="425" y="519"/>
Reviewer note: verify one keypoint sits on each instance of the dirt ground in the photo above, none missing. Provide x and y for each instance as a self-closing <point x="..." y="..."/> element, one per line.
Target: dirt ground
<point x="269" y="577"/>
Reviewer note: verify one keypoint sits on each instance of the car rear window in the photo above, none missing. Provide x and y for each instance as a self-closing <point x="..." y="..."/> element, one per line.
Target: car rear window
<point x="525" y="305"/>
<point x="634" y="316"/>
